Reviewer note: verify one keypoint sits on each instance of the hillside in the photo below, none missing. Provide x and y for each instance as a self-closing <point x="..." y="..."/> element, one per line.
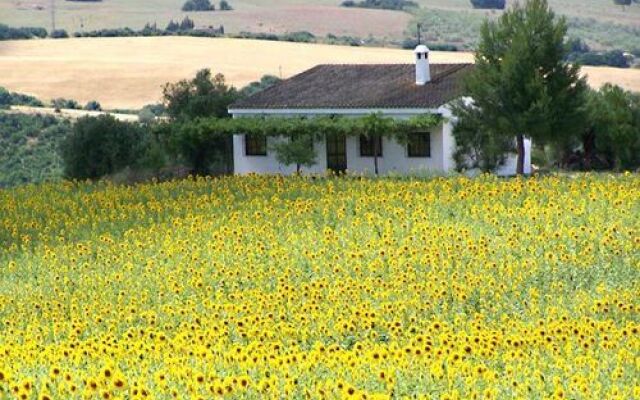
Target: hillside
<point x="28" y="148"/>
<point x="600" y="22"/>
<point x="129" y="72"/>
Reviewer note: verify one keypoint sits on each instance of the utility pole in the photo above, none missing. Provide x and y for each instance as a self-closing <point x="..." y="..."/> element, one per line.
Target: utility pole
<point x="53" y="15"/>
<point x="419" y="34"/>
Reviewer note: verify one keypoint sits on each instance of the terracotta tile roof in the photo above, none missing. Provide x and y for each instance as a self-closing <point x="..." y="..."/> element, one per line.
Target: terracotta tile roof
<point x="361" y="86"/>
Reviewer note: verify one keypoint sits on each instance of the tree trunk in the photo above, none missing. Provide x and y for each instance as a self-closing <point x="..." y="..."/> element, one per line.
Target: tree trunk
<point x="375" y="154"/>
<point x="520" y="160"/>
<point x="297" y="169"/>
<point x="588" y="145"/>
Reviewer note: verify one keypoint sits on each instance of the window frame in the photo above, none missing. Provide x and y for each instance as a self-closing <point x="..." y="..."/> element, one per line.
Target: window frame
<point x="254" y="149"/>
<point x="363" y="139"/>
<point x="426" y="144"/>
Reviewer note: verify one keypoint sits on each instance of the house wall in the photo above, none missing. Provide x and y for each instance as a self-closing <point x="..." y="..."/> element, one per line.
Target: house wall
<point x="509" y="167"/>
<point x="268" y="164"/>
<point x="394" y="158"/>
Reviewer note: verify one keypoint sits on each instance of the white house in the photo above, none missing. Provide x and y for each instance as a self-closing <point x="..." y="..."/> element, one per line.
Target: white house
<point x="395" y="90"/>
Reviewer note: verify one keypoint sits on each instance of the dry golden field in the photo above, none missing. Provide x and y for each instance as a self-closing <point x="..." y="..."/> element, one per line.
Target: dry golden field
<point x="317" y="16"/>
<point x="129" y="72"/>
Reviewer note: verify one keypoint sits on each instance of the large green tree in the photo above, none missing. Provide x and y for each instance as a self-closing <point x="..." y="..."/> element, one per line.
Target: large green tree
<point x="99" y="146"/>
<point x="205" y="95"/>
<point x="615" y="126"/>
<point x="521" y="83"/>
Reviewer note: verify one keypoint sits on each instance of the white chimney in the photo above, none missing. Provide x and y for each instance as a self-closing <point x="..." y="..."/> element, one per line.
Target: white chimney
<point x="423" y="73"/>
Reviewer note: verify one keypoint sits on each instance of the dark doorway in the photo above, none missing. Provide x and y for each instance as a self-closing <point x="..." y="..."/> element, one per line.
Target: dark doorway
<point x="337" y="153"/>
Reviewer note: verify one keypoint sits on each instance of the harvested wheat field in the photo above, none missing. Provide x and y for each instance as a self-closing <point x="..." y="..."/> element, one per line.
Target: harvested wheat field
<point x="129" y="72"/>
<point x="276" y="16"/>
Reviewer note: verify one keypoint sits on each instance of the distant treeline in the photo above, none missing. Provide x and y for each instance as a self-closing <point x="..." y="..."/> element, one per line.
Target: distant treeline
<point x="579" y="52"/>
<point x="186" y="27"/>
<point x="381" y="4"/>
<point x="8" y="99"/>
<point x="205" y="5"/>
<point x="8" y="33"/>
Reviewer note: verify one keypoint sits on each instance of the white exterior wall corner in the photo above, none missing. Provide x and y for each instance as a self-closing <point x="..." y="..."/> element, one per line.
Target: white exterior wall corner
<point x="510" y="165"/>
<point x="449" y="145"/>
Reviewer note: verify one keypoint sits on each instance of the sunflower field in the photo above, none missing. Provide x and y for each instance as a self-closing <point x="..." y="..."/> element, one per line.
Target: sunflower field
<point x="326" y="288"/>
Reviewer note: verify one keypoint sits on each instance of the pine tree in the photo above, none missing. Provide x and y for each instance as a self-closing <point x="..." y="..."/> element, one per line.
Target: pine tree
<point x="521" y="83"/>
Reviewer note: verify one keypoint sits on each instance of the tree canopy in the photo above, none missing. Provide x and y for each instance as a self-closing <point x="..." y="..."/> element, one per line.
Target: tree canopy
<point x="203" y="96"/>
<point x="521" y="83"/>
<point x="615" y="123"/>
<point x="198" y="5"/>
<point x="100" y="146"/>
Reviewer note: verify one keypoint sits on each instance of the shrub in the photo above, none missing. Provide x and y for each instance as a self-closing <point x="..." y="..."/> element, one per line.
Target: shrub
<point x="145" y="116"/>
<point x="302" y="37"/>
<point x="172" y="26"/>
<point x="411" y="44"/>
<point x="61" y="103"/>
<point x="258" y="35"/>
<point x="257" y="86"/>
<point x="489" y="4"/>
<point x="93" y="106"/>
<point x="580" y="52"/>
<point x="156" y="109"/>
<point x="59" y="34"/>
<point x="102" y="145"/>
<point x="150" y="112"/>
<point x="187" y="24"/>
<point x="225" y="6"/>
<point x="8" y="33"/>
<point x="613" y="58"/>
<point x="198" y="5"/>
